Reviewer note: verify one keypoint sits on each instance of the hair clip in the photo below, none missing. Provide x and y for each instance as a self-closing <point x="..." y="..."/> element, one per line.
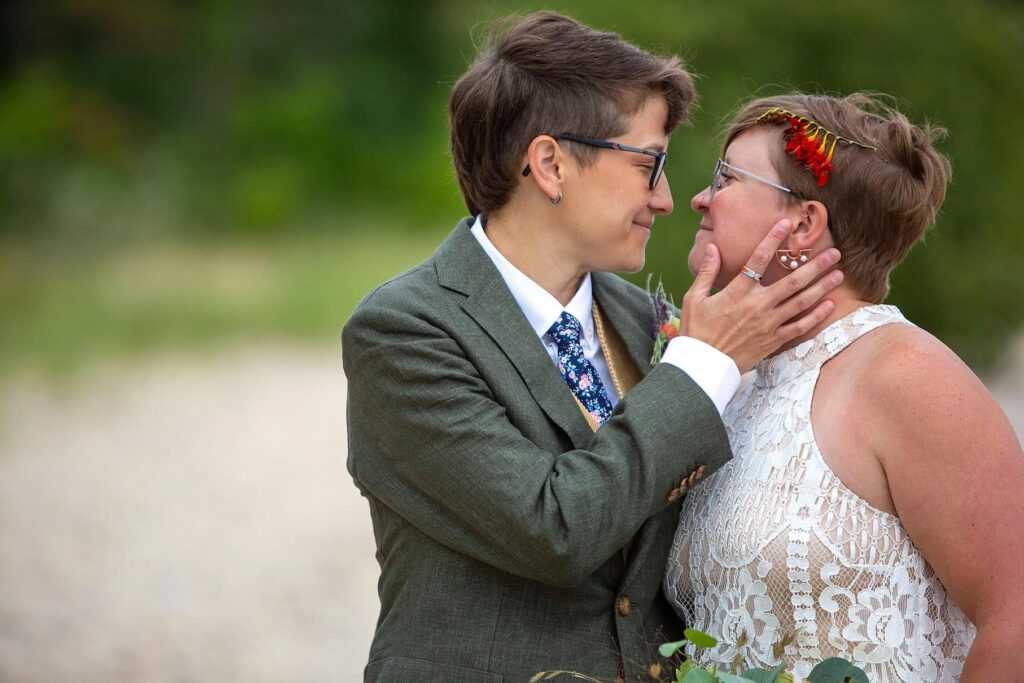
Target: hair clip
<point x="807" y="141"/>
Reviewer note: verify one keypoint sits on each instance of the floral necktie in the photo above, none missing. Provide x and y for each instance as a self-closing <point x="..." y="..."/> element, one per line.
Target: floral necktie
<point x="577" y="371"/>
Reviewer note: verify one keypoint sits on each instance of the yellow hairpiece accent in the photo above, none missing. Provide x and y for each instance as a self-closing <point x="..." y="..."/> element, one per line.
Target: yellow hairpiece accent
<point x="802" y="141"/>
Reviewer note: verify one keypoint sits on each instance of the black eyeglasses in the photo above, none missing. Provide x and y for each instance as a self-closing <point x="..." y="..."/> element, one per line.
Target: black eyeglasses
<point x="659" y="157"/>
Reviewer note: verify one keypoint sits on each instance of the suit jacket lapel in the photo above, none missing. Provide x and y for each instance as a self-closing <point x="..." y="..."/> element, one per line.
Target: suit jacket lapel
<point x="463" y="266"/>
<point x="632" y="318"/>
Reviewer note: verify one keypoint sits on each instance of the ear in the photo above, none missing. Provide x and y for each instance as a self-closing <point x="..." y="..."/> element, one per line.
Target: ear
<point x="811" y="231"/>
<point x="546" y="161"/>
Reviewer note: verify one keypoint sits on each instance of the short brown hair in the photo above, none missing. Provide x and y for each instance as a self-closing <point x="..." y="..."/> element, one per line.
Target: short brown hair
<point x="549" y="74"/>
<point x="880" y="202"/>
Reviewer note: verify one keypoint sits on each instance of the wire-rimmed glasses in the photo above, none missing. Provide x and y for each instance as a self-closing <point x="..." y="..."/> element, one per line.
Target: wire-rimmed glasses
<point x="716" y="178"/>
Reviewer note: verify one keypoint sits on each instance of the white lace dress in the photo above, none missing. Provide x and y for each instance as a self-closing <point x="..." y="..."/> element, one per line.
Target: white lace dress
<point x="774" y="544"/>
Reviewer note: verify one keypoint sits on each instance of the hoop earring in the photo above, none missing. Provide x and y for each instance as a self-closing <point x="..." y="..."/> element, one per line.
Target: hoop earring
<point x="788" y="260"/>
<point x="556" y="201"/>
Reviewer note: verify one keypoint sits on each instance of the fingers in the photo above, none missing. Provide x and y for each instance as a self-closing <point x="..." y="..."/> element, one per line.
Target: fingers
<point x="765" y="251"/>
<point x="800" y="327"/>
<point x="807" y="298"/>
<point x="702" y="284"/>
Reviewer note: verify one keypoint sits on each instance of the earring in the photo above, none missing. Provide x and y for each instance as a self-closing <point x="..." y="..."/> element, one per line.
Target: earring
<point x="788" y="260"/>
<point x="556" y="201"/>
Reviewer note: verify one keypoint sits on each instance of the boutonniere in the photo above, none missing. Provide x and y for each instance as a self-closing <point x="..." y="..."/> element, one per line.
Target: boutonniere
<point x="666" y="322"/>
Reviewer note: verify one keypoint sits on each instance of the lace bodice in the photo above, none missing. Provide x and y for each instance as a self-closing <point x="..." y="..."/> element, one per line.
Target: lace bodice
<point x="774" y="543"/>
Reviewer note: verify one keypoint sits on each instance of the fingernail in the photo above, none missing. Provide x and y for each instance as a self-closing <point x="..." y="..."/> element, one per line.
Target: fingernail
<point x="833" y="255"/>
<point x="708" y="254"/>
<point x="836" y="277"/>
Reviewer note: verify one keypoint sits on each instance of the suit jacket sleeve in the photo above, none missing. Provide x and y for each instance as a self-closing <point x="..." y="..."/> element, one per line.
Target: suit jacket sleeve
<point x="428" y="439"/>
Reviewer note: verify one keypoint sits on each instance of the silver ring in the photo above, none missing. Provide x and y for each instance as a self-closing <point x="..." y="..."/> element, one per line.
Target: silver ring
<point x="752" y="274"/>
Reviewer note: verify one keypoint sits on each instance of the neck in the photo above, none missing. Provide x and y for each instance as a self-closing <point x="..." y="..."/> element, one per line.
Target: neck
<point x="846" y="301"/>
<point x="533" y="247"/>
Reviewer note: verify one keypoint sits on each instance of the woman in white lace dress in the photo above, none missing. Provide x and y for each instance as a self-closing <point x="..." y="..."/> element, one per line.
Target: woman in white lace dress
<point x="874" y="509"/>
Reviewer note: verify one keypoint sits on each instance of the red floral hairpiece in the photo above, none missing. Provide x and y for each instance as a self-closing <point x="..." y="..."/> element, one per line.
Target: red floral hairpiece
<point x="807" y="141"/>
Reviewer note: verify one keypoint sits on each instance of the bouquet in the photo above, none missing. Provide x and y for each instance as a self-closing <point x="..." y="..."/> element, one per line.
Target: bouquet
<point x="687" y="667"/>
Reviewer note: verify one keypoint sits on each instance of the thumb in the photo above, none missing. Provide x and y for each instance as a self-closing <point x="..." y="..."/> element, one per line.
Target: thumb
<point x="701" y="287"/>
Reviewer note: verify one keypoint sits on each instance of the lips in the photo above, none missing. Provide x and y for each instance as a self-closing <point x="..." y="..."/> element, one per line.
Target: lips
<point x="706" y="227"/>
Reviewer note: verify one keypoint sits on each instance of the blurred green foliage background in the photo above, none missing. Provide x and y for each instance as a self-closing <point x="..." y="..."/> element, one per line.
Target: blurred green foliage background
<point x="182" y="172"/>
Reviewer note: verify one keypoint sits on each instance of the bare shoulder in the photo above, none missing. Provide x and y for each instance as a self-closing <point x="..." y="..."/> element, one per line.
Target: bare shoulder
<point x="921" y="392"/>
<point x="895" y="359"/>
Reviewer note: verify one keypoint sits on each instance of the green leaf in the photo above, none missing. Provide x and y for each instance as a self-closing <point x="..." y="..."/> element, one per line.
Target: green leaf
<point x="836" y="670"/>
<point x="699" y="638"/>
<point x="763" y="675"/>
<point x="732" y="678"/>
<point x="669" y="649"/>
<point x="698" y="676"/>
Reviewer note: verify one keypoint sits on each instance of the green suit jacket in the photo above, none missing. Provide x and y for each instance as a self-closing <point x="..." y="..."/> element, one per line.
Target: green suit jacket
<point x="511" y="537"/>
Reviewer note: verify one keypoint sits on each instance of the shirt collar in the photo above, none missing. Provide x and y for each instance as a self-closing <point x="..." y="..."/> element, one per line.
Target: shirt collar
<point x="541" y="309"/>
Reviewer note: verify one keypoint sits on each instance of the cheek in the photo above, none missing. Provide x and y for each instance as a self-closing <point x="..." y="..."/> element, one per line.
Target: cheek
<point x="736" y="247"/>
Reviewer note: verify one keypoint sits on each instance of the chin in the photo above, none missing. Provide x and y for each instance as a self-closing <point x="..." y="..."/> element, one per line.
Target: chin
<point x="693" y="261"/>
<point x="630" y="259"/>
<point x="635" y="264"/>
<point x="623" y="266"/>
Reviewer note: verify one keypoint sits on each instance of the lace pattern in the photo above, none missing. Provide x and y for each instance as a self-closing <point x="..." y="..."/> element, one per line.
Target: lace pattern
<point x="776" y="544"/>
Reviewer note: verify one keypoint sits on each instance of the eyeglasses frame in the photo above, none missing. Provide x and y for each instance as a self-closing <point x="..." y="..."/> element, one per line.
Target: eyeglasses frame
<point x="716" y="176"/>
<point x="659" y="157"/>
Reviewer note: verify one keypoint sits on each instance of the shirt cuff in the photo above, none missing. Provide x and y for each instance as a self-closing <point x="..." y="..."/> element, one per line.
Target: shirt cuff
<point x="712" y="370"/>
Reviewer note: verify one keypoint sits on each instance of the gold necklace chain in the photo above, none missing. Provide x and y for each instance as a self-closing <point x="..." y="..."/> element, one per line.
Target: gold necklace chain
<point x="599" y="324"/>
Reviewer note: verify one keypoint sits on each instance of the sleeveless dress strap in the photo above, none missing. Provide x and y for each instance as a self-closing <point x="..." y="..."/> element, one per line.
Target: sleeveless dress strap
<point x="844" y="332"/>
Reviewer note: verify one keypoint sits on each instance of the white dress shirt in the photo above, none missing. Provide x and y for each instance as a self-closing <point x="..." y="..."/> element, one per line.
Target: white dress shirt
<point x="712" y="370"/>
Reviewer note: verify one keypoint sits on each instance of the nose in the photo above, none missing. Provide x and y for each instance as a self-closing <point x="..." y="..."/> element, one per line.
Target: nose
<point x="701" y="200"/>
<point x="661" y="197"/>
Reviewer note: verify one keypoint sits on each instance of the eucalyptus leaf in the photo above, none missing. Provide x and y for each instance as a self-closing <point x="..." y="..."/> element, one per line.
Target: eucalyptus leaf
<point x="763" y="675"/>
<point x="669" y="649"/>
<point x="698" y="676"/>
<point x="836" y="670"/>
<point x="732" y="678"/>
<point x="699" y="638"/>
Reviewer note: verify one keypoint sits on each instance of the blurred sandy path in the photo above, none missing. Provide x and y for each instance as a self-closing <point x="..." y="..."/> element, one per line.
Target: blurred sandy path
<point x="184" y="520"/>
<point x="191" y="519"/>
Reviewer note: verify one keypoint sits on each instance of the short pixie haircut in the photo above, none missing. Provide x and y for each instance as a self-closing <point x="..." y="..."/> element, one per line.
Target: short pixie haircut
<point x="547" y="74"/>
<point x="880" y="202"/>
